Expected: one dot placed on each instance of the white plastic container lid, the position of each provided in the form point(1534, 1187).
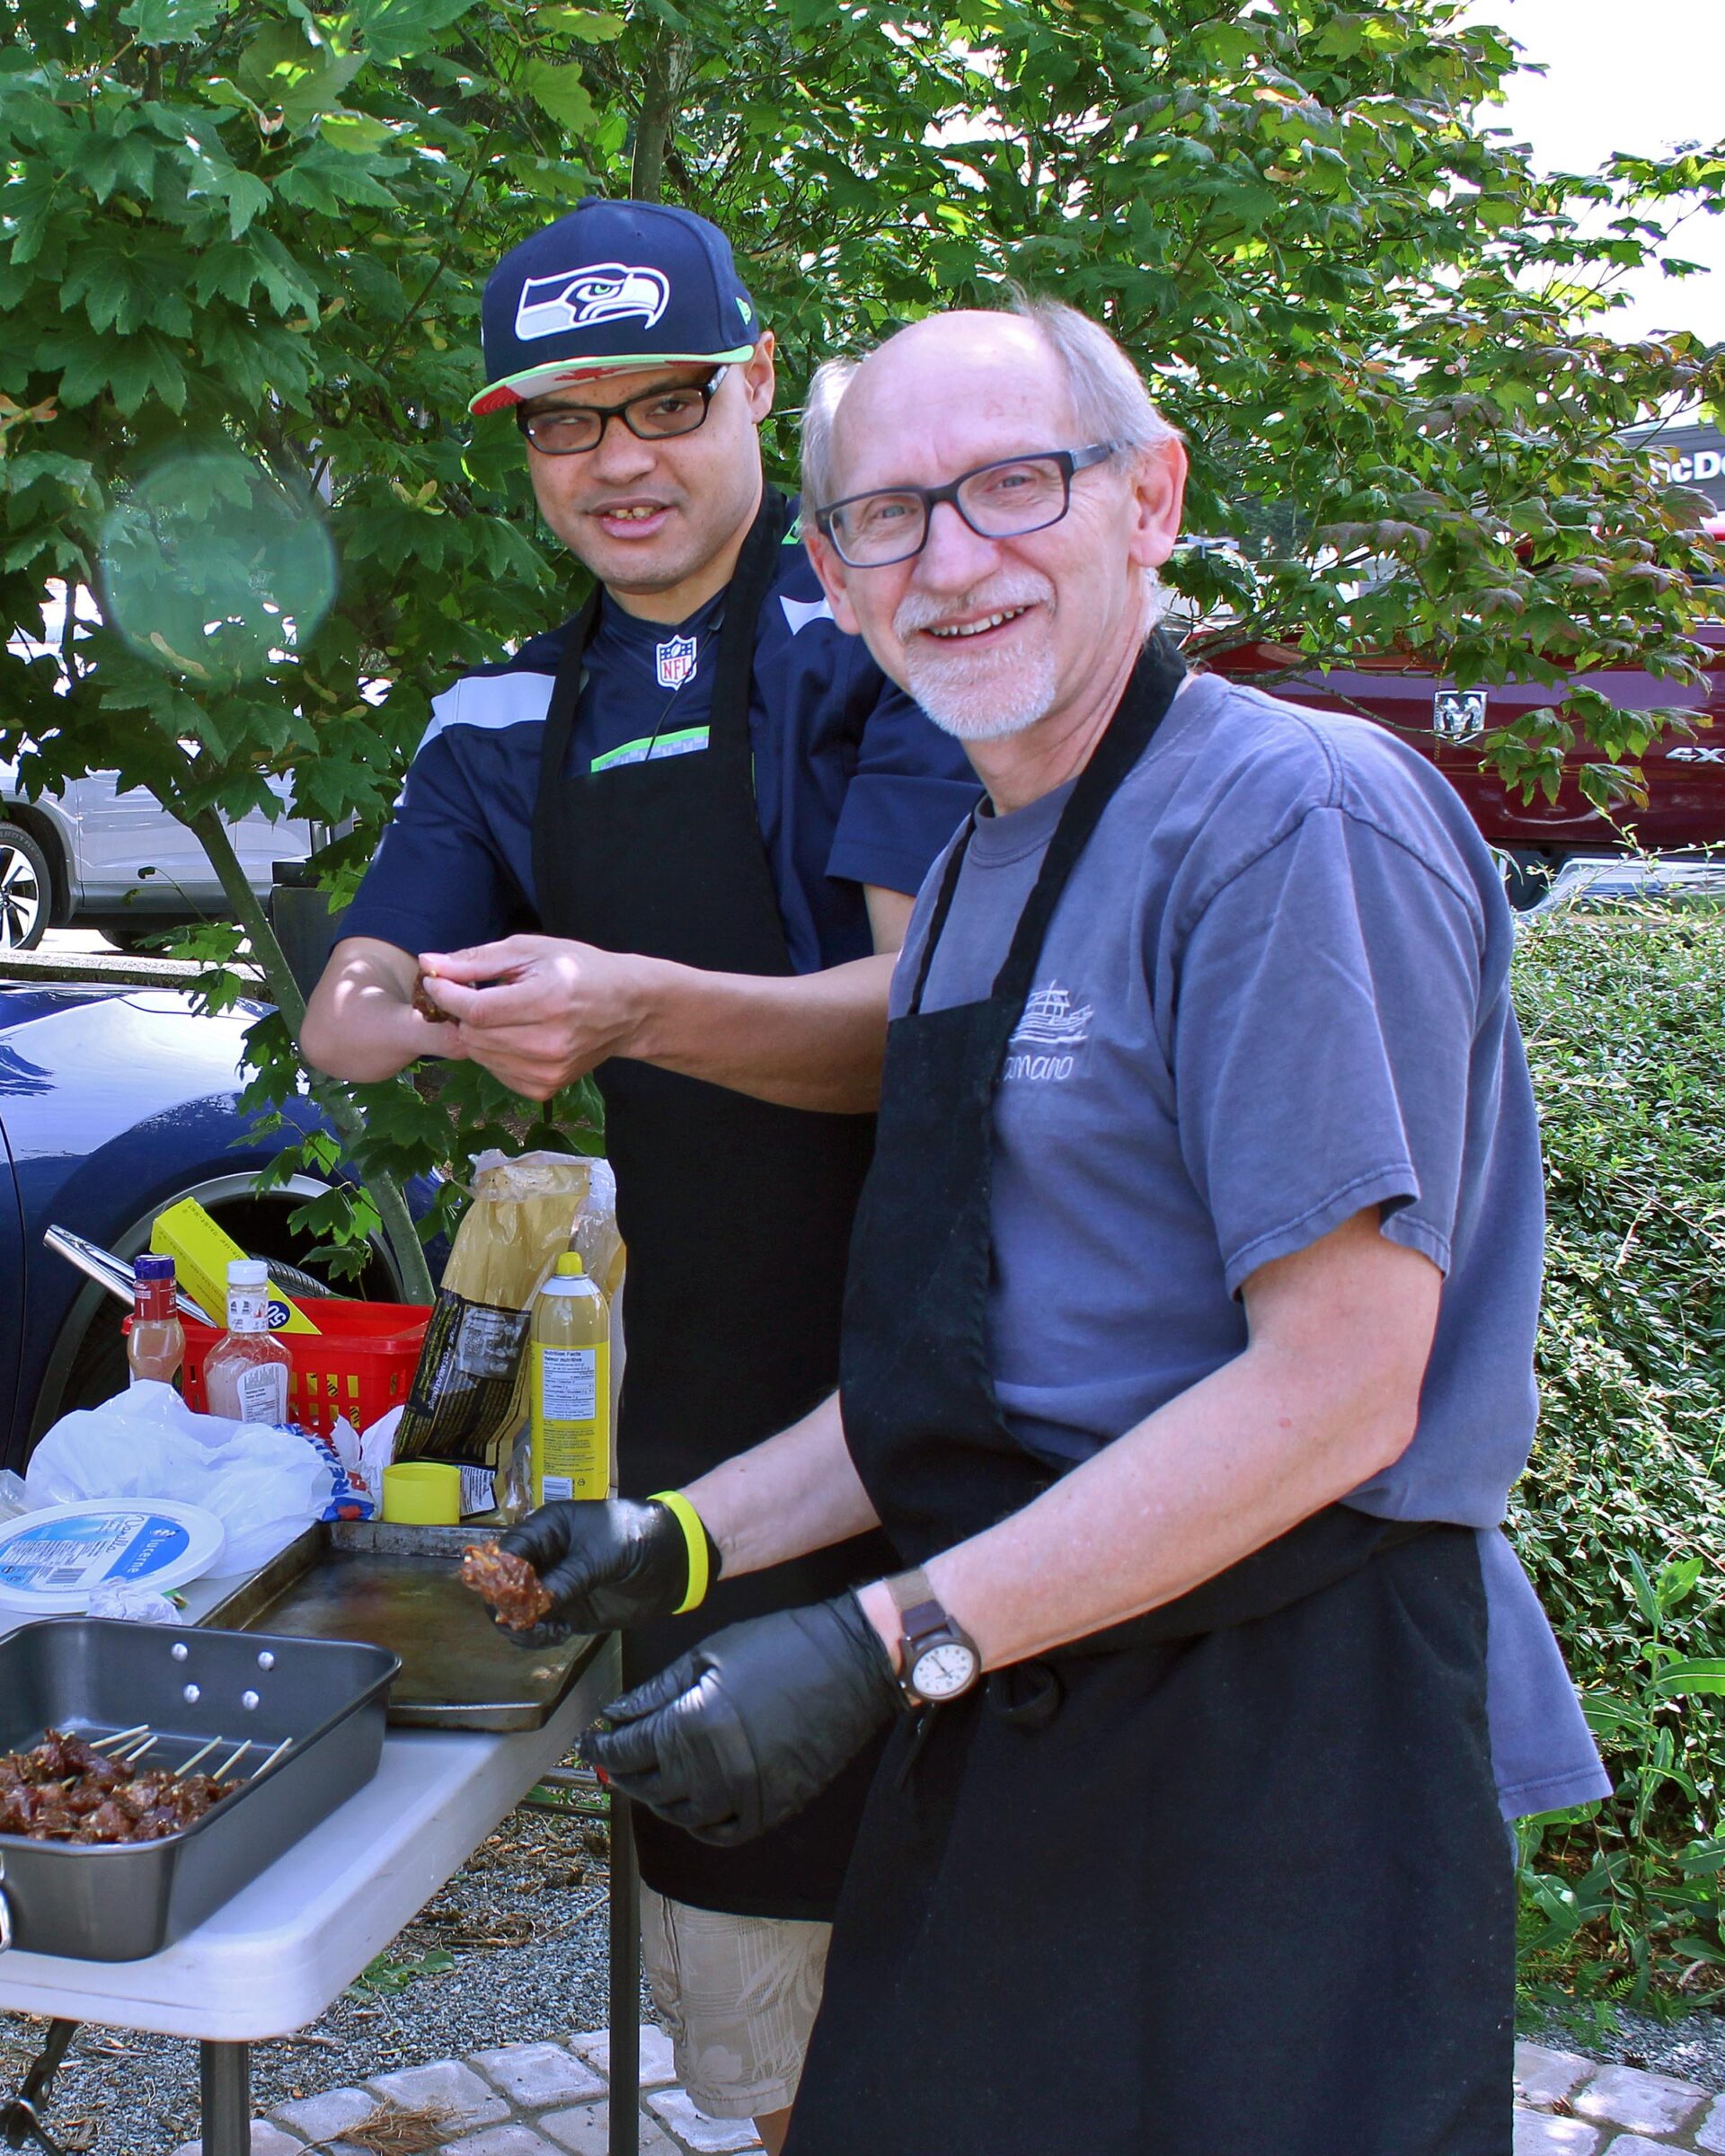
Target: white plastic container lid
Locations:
point(52, 1561)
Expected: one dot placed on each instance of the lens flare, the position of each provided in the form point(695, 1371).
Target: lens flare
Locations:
point(214, 568)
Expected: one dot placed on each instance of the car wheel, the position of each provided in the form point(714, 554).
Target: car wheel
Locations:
point(128, 935)
point(26, 891)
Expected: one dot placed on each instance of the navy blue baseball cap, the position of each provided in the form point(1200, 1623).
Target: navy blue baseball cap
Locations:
point(611, 286)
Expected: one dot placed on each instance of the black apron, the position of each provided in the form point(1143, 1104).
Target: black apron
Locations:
point(736, 1213)
point(1227, 1880)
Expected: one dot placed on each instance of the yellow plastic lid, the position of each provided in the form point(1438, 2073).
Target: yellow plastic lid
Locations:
point(422, 1493)
point(570, 1261)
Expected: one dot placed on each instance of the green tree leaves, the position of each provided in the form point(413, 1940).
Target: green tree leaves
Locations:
point(262, 227)
point(170, 22)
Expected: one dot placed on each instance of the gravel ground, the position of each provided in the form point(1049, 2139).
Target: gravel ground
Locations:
point(1692, 2049)
point(525, 1921)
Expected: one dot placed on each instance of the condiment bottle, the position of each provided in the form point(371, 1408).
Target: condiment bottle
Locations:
point(156, 1345)
point(569, 1352)
point(245, 1374)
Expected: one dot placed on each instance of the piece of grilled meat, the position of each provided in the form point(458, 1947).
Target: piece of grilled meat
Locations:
point(509, 1583)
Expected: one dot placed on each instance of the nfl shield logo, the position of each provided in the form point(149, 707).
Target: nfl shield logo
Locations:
point(676, 661)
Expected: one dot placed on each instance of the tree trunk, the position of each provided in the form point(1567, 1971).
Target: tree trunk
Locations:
point(666, 78)
point(383, 1191)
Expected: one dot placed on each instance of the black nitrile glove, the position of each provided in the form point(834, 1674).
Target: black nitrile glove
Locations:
point(609, 1562)
point(739, 1735)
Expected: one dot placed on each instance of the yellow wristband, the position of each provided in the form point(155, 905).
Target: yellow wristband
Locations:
point(694, 1534)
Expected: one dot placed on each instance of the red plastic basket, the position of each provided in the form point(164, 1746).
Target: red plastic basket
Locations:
point(360, 1362)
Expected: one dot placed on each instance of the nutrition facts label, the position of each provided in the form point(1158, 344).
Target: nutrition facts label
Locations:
point(570, 1383)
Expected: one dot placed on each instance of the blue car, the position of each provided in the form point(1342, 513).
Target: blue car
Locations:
point(114, 1103)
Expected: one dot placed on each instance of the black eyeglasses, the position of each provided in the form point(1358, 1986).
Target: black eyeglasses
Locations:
point(1001, 500)
point(654, 416)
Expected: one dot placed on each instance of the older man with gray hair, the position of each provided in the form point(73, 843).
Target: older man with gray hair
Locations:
point(1188, 1362)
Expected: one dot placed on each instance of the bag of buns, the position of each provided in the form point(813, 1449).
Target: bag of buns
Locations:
point(469, 1392)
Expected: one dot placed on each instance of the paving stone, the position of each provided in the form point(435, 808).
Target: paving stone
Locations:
point(267, 2140)
point(694, 2128)
point(539, 2073)
point(657, 2065)
point(1538, 2134)
point(317, 2117)
point(1646, 2103)
point(1638, 2144)
point(586, 2131)
point(447, 2082)
point(513, 2139)
point(1709, 2134)
point(1543, 2075)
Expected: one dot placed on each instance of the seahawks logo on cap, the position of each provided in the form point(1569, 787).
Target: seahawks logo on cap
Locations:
point(577, 299)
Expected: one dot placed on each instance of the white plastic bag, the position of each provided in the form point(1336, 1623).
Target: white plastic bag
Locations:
point(264, 1484)
point(132, 1603)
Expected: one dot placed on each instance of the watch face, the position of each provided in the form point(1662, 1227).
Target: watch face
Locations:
point(942, 1672)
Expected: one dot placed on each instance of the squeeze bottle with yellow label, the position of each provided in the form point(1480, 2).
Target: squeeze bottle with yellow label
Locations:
point(569, 1347)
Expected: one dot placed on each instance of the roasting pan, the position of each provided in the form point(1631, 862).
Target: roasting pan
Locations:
point(93, 1676)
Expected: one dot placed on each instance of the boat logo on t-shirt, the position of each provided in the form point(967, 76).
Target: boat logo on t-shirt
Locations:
point(675, 662)
point(1045, 1043)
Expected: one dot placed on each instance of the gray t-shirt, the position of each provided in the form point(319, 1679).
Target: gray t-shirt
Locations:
point(1275, 992)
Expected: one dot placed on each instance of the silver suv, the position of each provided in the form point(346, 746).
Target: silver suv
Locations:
point(118, 862)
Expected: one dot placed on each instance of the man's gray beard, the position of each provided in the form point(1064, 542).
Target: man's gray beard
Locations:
point(976, 698)
point(977, 703)
point(981, 701)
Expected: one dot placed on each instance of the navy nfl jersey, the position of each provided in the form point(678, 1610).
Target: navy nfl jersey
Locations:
point(853, 785)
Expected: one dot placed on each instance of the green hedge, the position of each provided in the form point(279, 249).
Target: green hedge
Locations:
point(1621, 1518)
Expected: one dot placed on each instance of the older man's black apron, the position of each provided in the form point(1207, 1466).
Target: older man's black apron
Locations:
point(1229, 1880)
point(737, 1214)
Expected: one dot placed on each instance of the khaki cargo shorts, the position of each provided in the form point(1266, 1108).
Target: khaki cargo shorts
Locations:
point(737, 1996)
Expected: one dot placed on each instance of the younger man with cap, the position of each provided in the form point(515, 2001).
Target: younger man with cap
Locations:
point(671, 843)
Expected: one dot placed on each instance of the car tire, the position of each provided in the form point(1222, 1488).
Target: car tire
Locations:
point(26, 891)
point(130, 936)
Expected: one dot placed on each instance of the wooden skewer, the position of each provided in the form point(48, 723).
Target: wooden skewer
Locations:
point(231, 1760)
point(186, 1765)
point(120, 1736)
point(286, 1744)
point(130, 1758)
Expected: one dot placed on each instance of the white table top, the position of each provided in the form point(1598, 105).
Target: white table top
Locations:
point(271, 1960)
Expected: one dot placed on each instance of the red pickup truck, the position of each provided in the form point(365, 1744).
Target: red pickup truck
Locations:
point(1684, 774)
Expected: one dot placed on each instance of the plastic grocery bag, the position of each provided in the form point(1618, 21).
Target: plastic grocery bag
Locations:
point(264, 1484)
point(469, 1394)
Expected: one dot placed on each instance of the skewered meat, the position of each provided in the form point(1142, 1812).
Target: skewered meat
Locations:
point(64, 1790)
point(509, 1583)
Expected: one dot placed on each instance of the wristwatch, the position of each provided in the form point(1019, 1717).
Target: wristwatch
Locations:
point(938, 1660)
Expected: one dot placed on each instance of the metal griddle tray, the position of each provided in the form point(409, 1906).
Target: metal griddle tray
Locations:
point(94, 1676)
point(400, 1587)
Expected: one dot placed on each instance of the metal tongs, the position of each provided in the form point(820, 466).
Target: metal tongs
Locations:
point(111, 1272)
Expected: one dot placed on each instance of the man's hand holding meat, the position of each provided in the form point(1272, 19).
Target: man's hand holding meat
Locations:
point(610, 1563)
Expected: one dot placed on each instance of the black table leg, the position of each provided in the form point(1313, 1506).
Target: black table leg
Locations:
point(625, 1984)
point(225, 2084)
